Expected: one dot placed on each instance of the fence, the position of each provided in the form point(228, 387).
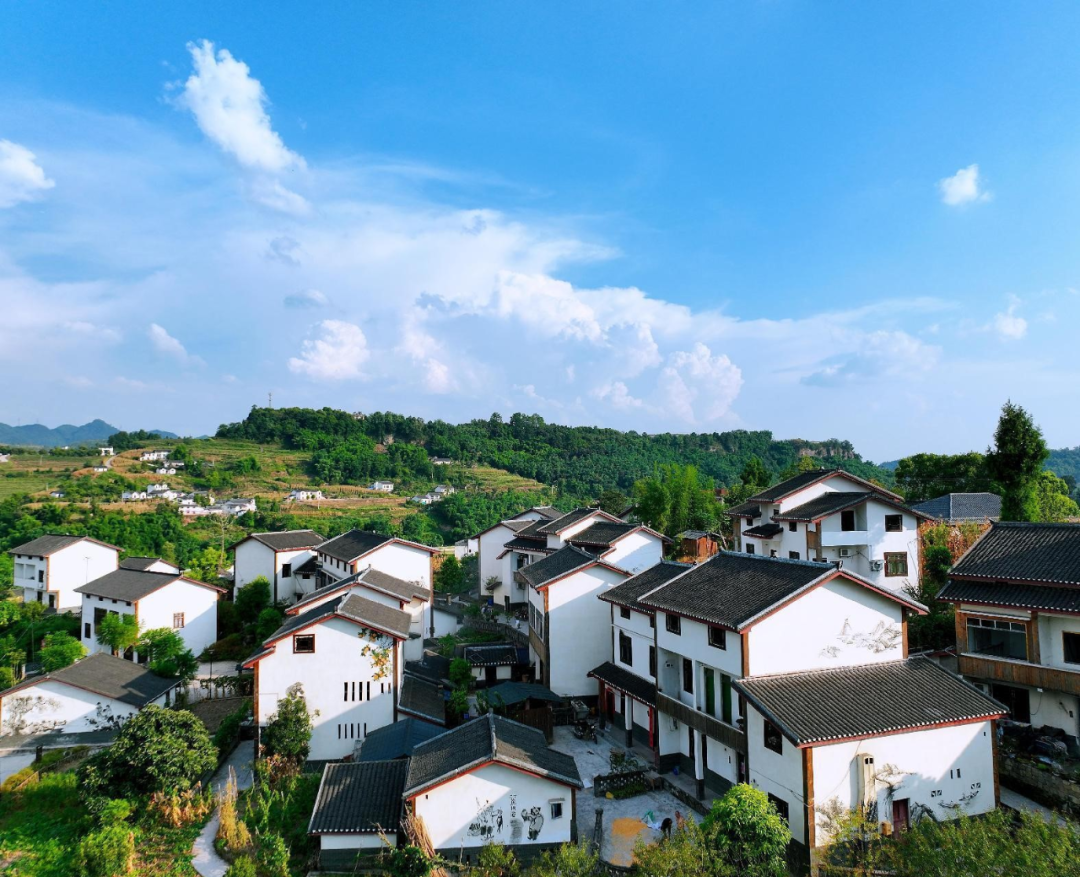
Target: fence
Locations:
point(617, 782)
point(517, 637)
point(74, 755)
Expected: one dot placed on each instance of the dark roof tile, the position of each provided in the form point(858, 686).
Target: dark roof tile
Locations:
point(351, 545)
point(962, 507)
point(108, 676)
point(289, 540)
point(602, 533)
point(565, 560)
point(1038, 597)
point(623, 680)
point(627, 593)
point(422, 698)
point(397, 740)
point(43, 546)
point(805, 479)
point(763, 531)
point(363, 797)
point(1025, 552)
point(128, 584)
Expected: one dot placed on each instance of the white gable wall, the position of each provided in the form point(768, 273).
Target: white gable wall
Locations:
point(639, 630)
point(253, 559)
point(636, 552)
point(89, 632)
point(72, 567)
point(198, 605)
point(405, 562)
point(491, 546)
point(53, 704)
point(577, 621)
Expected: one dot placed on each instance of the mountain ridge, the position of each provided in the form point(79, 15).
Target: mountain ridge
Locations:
point(66, 434)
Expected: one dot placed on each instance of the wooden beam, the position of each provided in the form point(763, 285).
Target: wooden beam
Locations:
point(997, 780)
point(1032, 629)
point(808, 797)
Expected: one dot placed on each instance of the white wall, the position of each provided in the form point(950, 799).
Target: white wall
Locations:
point(254, 559)
point(639, 630)
point(52, 704)
point(491, 546)
point(65, 570)
point(870, 520)
point(693, 643)
point(355, 841)
point(198, 604)
point(337, 659)
point(90, 602)
point(779, 774)
point(455, 812)
point(405, 562)
point(578, 622)
point(836, 624)
point(636, 552)
point(1051, 645)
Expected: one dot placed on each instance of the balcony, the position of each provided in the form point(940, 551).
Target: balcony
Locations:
point(730, 736)
point(833, 538)
point(1010, 671)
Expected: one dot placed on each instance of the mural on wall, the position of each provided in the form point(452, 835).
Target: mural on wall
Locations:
point(525, 824)
point(487, 823)
point(883, 638)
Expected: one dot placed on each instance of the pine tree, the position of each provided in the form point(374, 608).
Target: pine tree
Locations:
point(1015, 462)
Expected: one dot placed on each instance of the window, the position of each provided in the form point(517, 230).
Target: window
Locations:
point(652, 661)
point(793, 527)
point(773, 740)
point(286, 570)
point(303, 643)
point(41, 575)
point(86, 630)
point(1002, 639)
point(718, 637)
point(710, 692)
point(793, 555)
point(556, 809)
point(687, 675)
point(673, 624)
point(626, 650)
point(749, 547)
point(624, 612)
point(894, 523)
point(1018, 700)
point(896, 563)
point(780, 805)
point(178, 620)
point(1071, 647)
point(847, 520)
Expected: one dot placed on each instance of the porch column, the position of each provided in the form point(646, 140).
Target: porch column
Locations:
point(699, 763)
point(602, 705)
point(628, 720)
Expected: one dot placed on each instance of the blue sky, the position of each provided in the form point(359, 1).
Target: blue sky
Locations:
point(827, 220)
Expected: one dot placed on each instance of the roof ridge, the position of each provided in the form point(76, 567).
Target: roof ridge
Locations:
point(825, 671)
point(788, 560)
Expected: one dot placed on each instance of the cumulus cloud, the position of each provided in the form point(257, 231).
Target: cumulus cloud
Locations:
point(880, 354)
point(698, 385)
point(618, 396)
point(270, 193)
point(21, 177)
point(337, 353)
point(306, 298)
point(963, 187)
point(229, 106)
point(1008, 325)
point(167, 345)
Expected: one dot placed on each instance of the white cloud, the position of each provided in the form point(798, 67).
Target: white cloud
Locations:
point(270, 193)
point(21, 177)
point(618, 396)
point(167, 345)
point(1008, 325)
point(963, 187)
point(306, 298)
point(696, 385)
point(92, 331)
point(229, 106)
point(875, 355)
point(335, 356)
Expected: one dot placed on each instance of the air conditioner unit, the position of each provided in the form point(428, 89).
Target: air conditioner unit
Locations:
point(876, 565)
point(846, 552)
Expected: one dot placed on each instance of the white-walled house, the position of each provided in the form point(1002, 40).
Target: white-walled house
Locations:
point(345, 653)
point(49, 569)
point(352, 551)
point(568, 626)
point(279, 557)
point(154, 456)
point(382, 486)
point(489, 780)
point(95, 693)
point(498, 563)
point(156, 599)
point(832, 515)
point(302, 495)
point(633, 547)
point(149, 564)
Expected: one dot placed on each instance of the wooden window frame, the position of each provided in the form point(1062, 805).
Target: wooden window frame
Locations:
point(890, 554)
point(768, 726)
point(718, 631)
point(898, 520)
point(181, 616)
point(624, 612)
point(626, 650)
point(303, 636)
point(673, 624)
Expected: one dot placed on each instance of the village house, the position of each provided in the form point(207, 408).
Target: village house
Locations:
point(167, 469)
point(106, 452)
point(1017, 598)
point(134, 496)
point(497, 564)
point(49, 569)
point(345, 654)
point(96, 693)
point(568, 626)
point(491, 780)
point(382, 486)
point(286, 559)
point(832, 515)
point(149, 564)
point(350, 552)
point(156, 599)
point(770, 630)
point(57, 494)
point(101, 468)
point(154, 456)
point(300, 495)
point(962, 508)
point(5, 458)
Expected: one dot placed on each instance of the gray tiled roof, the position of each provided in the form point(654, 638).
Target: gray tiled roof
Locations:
point(372, 614)
point(835, 501)
point(351, 545)
point(817, 706)
point(563, 561)
point(289, 540)
point(422, 698)
point(1044, 597)
point(745, 510)
point(623, 680)
point(602, 533)
point(397, 740)
point(519, 543)
point(572, 517)
point(961, 507)
point(1025, 552)
point(731, 589)
point(141, 563)
point(548, 511)
point(381, 581)
point(363, 797)
point(111, 677)
point(43, 546)
point(336, 587)
point(303, 619)
point(627, 593)
point(805, 479)
point(491, 655)
point(764, 531)
point(489, 738)
point(128, 584)
point(532, 529)
point(510, 693)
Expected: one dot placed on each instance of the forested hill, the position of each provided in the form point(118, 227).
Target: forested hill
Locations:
point(38, 435)
point(581, 460)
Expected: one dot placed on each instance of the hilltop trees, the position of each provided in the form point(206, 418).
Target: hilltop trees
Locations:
point(1015, 461)
point(676, 498)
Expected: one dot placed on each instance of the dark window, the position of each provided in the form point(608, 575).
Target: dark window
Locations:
point(793, 526)
point(710, 692)
point(41, 575)
point(286, 570)
point(303, 643)
point(1018, 700)
point(626, 649)
point(652, 661)
point(1071, 646)
point(86, 630)
point(556, 809)
point(894, 523)
point(847, 520)
point(793, 555)
point(624, 612)
point(773, 740)
point(780, 805)
point(749, 547)
point(688, 675)
point(749, 522)
point(673, 624)
point(725, 697)
point(652, 622)
point(896, 563)
point(718, 637)
point(1002, 639)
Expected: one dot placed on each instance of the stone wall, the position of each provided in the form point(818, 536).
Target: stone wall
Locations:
point(1044, 786)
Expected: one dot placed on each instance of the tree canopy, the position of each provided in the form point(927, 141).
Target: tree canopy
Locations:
point(1015, 461)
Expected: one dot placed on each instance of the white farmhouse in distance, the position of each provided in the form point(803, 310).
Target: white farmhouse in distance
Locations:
point(382, 486)
point(304, 495)
point(154, 456)
point(49, 569)
point(287, 560)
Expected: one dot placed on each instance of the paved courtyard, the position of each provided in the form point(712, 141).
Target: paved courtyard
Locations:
point(624, 821)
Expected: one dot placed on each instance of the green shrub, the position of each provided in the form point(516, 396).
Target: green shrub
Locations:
point(273, 856)
point(107, 853)
point(242, 867)
point(228, 731)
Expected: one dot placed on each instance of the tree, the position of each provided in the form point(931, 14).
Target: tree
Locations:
point(1015, 461)
point(686, 853)
point(1052, 499)
point(206, 565)
point(156, 750)
point(755, 474)
point(460, 673)
point(118, 632)
point(268, 621)
point(251, 599)
point(288, 733)
point(676, 498)
point(613, 501)
point(936, 629)
point(924, 476)
point(569, 860)
point(60, 650)
point(805, 463)
point(496, 860)
point(167, 654)
point(449, 577)
point(747, 833)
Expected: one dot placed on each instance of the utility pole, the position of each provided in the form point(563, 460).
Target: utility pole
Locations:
point(269, 400)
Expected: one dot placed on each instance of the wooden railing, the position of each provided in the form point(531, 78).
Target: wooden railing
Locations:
point(730, 736)
point(1020, 673)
